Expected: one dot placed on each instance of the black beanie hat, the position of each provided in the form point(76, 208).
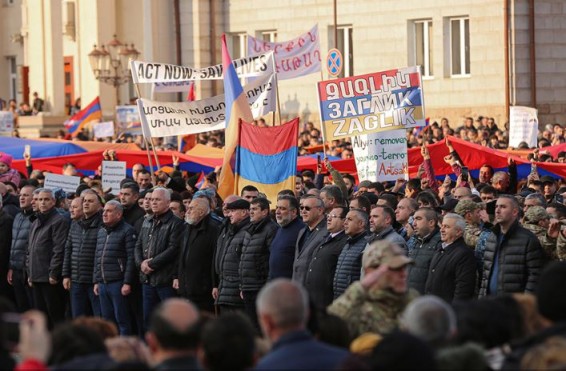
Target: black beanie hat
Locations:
point(550, 292)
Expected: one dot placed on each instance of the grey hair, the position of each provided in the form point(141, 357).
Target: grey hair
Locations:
point(335, 192)
point(45, 190)
point(116, 204)
point(537, 196)
point(203, 202)
point(364, 217)
point(429, 318)
point(285, 301)
point(498, 176)
point(460, 221)
point(166, 192)
point(313, 197)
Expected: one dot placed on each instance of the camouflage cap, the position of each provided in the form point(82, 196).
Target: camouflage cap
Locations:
point(385, 252)
point(535, 214)
point(465, 206)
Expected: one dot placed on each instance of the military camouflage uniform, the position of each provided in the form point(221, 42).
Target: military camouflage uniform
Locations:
point(375, 311)
point(561, 247)
point(532, 217)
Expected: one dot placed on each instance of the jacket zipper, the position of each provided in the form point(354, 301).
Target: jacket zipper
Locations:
point(102, 260)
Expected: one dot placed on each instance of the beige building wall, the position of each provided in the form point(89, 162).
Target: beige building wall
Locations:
point(10, 46)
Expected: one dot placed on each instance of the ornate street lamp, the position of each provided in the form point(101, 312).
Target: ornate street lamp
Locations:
point(110, 65)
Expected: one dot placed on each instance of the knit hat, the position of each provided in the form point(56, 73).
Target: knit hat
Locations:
point(6, 158)
point(385, 252)
point(466, 206)
point(550, 292)
point(535, 214)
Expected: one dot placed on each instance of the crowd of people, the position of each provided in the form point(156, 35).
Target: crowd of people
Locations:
point(335, 273)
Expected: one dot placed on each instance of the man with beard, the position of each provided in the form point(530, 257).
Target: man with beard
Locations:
point(194, 278)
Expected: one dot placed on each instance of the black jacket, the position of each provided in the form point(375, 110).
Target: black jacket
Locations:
point(114, 256)
point(421, 250)
point(6, 222)
point(452, 272)
point(349, 266)
point(321, 269)
point(47, 239)
point(20, 238)
point(11, 204)
point(254, 262)
point(80, 248)
point(133, 215)
point(195, 259)
point(159, 241)
point(229, 288)
point(303, 256)
point(520, 258)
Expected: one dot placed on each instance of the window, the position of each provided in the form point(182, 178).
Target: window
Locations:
point(460, 46)
point(13, 77)
point(346, 46)
point(269, 36)
point(423, 47)
point(238, 45)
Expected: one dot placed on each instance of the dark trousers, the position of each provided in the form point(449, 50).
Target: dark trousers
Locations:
point(153, 295)
point(51, 300)
point(205, 304)
point(249, 305)
point(114, 306)
point(135, 309)
point(22, 291)
point(83, 300)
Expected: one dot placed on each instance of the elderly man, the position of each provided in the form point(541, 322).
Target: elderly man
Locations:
point(196, 252)
point(314, 233)
point(284, 243)
point(114, 266)
point(20, 236)
point(78, 264)
point(381, 219)
point(283, 311)
point(46, 249)
point(348, 268)
point(254, 261)
point(375, 303)
point(452, 271)
point(157, 252)
point(513, 256)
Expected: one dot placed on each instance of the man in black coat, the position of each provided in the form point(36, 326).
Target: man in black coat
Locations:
point(6, 223)
point(133, 213)
point(254, 261)
point(194, 277)
point(322, 266)
point(452, 270)
point(47, 239)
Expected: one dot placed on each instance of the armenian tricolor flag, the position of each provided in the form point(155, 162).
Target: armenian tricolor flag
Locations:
point(78, 120)
point(267, 158)
point(237, 110)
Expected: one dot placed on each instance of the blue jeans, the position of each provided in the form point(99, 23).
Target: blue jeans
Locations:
point(153, 295)
point(114, 305)
point(83, 300)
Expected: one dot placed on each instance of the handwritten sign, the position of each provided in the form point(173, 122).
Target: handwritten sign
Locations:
point(113, 172)
point(523, 126)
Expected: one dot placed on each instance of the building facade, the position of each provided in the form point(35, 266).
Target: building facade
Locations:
point(477, 56)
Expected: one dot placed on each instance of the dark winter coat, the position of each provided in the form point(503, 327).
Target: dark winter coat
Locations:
point(520, 257)
point(421, 250)
point(195, 259)
point(133, 215)
point(303, 255)
point(349, 266)
point(283, 250)
point(229, 275)
point(452, 272)
point(80, 248)
point(47, 238)
point(254, 262)
point(159, 241)
point(20, 238)
point(114, 256)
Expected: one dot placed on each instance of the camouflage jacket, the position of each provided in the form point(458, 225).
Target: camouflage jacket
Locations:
point(548, 243)
point(374, 311)
point(561, 247)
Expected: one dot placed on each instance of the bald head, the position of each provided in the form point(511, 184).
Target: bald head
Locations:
point(285, 302)
point(174, 325)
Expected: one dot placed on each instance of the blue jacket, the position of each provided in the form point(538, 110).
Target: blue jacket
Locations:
point(300, 351)
point(282, 253)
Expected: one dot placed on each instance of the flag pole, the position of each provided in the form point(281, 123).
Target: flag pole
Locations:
point(322, 127)
point(276, 87)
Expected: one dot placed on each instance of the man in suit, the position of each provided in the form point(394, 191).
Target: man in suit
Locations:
point(311, 236)
point(283, 311)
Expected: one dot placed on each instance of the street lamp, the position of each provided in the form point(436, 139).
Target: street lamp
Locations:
point(110, 65)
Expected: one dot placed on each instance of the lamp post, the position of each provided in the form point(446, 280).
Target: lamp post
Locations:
point(110, 65)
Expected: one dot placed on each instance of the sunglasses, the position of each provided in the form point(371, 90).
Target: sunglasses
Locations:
point(307, 208)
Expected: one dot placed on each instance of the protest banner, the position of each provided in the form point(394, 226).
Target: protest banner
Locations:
point(381, 156)
point(66, 182)
point(147, 72)
point(293, 58)
point(523, 126)
point(371, 103)
point(184, 118)
point(104, 129)
point(127, 117)
point(6, 121)
point(172, 87)
point(113, 172)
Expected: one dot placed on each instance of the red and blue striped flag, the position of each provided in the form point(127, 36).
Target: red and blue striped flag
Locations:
point(80, 119)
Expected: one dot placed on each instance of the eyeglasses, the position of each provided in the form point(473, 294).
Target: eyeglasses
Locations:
point(307, 208)
point(330, 216)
